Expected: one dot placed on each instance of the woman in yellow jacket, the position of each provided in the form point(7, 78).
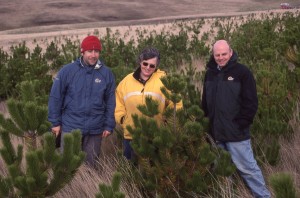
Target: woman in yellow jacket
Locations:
point(133, 90)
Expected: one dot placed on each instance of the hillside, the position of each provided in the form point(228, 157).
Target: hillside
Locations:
point(22, 20)
point(43, 34)
point(31, 13)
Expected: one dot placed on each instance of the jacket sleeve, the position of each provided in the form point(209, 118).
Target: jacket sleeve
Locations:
point(179, 105)
point(56, 98)
point(120, 111)
point(249, 101)
point(170, 104)
point(110, 100)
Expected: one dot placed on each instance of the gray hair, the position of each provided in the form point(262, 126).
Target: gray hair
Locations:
point(147, 54)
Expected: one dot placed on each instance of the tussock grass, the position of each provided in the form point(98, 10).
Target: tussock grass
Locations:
point(86, 181)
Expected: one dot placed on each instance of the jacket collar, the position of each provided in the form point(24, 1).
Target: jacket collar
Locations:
point(98, 65)
point(136, 75)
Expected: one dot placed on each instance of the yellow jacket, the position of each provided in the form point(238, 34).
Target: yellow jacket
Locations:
point(131, 92)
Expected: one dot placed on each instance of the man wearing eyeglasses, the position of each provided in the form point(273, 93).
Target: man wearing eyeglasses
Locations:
point(133, 90)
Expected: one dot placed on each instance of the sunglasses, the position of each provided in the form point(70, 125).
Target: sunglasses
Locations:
point(145, 64)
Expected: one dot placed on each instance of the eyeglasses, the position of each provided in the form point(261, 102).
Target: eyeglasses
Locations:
point(145, 64)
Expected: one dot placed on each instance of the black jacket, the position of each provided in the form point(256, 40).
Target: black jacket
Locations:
point(229, 100)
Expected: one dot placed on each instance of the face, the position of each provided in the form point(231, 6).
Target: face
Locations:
point(222, 53)
point(148, 67)
point(90, 57)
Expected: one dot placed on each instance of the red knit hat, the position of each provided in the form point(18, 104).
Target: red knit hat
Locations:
point(90, 43)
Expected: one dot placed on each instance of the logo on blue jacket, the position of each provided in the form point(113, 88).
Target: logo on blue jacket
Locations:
point(97, 80)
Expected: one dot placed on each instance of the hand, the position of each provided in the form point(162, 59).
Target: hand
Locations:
point(56, 130)
point(106, 133)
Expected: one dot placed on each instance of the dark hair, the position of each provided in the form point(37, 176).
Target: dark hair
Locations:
point(147, 54)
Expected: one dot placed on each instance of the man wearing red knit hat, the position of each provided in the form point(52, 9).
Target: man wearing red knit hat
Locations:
point(83, 97)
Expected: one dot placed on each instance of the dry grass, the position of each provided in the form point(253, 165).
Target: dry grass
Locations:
point(290, 152)
point(87, 180)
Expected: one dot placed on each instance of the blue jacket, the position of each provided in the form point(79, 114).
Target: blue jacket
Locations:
point(83, 97)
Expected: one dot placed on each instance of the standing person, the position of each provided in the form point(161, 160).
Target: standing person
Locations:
point(230, 101)
point(83, 97)
point(134, 88)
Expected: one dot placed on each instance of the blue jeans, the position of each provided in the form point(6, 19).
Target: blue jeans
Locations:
point(128, 151)
point(242, 157)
